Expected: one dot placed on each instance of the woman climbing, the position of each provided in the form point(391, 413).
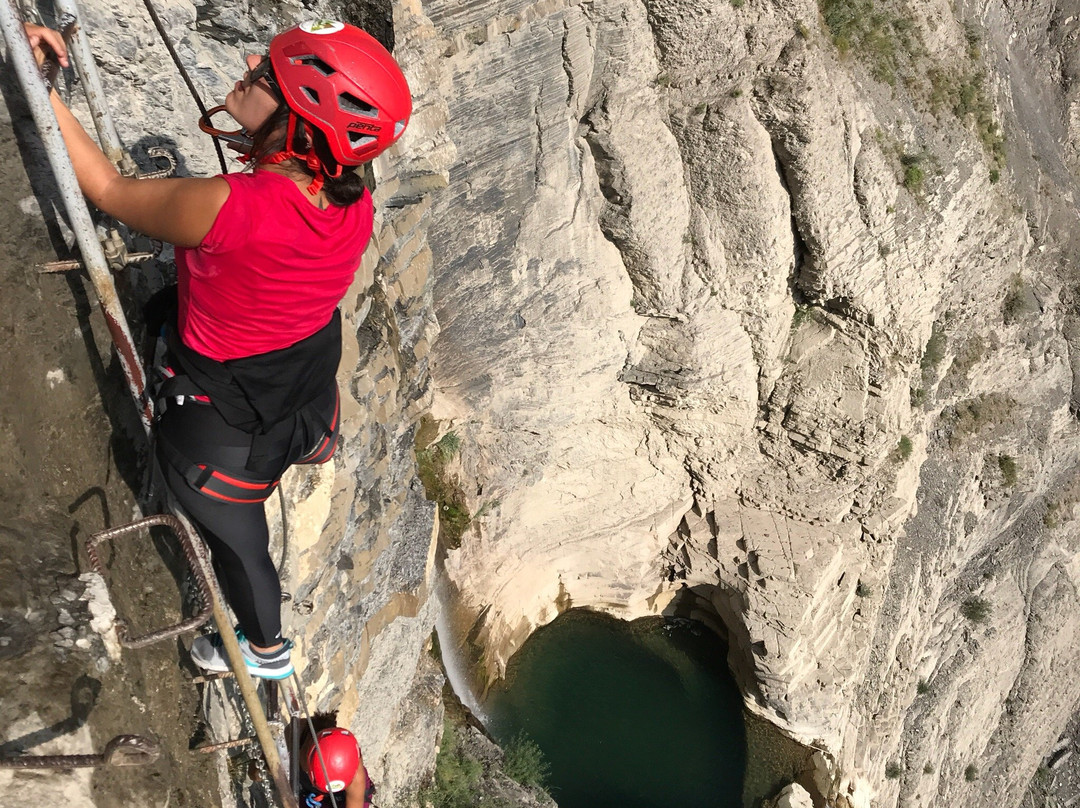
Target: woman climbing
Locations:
point(263, 259)
point(339, 771)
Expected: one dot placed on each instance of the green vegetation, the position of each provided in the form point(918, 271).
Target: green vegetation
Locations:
point(893, 770)
point(439, 485)
point(973, 107)
point(975, 415)
point(1061, 508)
point(862, 590)
point(976, 609)
point(889, 41)
point(923, 687)
point(801, 30)
point(971, 773)
point(971, 352)
point(1040, 791)
point(449, 445)
point(918, 397)
point(738, 3)
point(1018, 300)
point(935, 349)
point(736, 93)
point(914, 174)
point(904, 448)
point(525, 762)
point(928, 768)
point(802, 314)
point(456, 783)
point(1008, 469)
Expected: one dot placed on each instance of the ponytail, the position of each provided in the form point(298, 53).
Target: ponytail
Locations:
point(269, 139)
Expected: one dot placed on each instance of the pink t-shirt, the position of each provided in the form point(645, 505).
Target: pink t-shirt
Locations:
point(270, 271)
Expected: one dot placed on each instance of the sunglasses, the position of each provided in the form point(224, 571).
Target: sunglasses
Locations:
point(263, 70)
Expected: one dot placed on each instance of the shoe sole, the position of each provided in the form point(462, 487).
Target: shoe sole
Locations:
point(263, 673)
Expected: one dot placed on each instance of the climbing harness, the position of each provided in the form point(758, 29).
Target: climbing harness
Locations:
point(124, 750)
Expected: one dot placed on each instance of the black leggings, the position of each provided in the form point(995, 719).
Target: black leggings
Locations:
point(236, 531)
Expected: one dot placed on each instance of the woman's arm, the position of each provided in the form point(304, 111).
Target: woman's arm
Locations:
point(356, 790)
point(180, 211)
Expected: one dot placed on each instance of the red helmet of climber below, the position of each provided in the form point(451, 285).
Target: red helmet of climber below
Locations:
point(340, 753)
point(340, 80)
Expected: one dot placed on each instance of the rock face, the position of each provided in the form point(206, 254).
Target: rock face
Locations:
point(708, 338)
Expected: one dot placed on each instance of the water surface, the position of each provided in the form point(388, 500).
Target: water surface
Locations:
point(628, 715)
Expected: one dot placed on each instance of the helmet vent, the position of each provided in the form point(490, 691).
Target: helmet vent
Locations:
point(352, 104)
point(315, 62)
point(356, 140)
point(312, 96)
point(399, 127)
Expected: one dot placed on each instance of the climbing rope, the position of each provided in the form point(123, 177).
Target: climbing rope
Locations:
point(184, 74)
point(298, 698)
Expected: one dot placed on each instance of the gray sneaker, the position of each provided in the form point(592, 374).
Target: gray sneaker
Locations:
point(208, 652)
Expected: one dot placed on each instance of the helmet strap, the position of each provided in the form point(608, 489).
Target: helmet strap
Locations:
point(311, 160)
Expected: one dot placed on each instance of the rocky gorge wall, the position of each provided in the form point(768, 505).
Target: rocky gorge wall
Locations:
point(744, 323)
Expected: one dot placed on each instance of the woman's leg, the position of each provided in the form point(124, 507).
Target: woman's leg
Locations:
point(236, 531)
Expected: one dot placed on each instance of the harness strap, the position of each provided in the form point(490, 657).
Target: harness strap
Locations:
point(324, 449)
point(212, 482)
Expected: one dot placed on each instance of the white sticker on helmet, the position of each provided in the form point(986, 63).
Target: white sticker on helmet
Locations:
point(321, 26)
point(337, 785)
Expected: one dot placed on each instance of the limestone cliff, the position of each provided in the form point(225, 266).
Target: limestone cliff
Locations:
point(725, 313)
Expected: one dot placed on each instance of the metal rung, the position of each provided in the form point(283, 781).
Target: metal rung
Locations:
point(219, 747)
point(123, 750)
point(182, 535)
point(211, 677)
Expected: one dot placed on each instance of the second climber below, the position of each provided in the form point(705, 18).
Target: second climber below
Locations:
point(335, 768)
point(263, 260)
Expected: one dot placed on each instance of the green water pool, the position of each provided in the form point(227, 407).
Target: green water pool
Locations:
point(641, 714)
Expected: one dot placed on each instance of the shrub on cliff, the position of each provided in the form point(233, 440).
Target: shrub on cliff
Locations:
point(976, 609)
point(440, 485)
point(974, 415)
point(456, 783)
point(524, 762)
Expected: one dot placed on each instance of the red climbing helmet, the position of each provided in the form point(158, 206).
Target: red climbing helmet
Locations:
point(341, 80)
point(340, 752)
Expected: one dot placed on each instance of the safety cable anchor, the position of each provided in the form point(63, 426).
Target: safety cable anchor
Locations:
point(116, 255)
point(202, 584)
point(159, 153)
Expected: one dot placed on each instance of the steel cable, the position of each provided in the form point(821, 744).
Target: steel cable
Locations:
point(184, 74)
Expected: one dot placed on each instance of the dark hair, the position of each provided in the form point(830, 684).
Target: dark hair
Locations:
point(269, 139)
